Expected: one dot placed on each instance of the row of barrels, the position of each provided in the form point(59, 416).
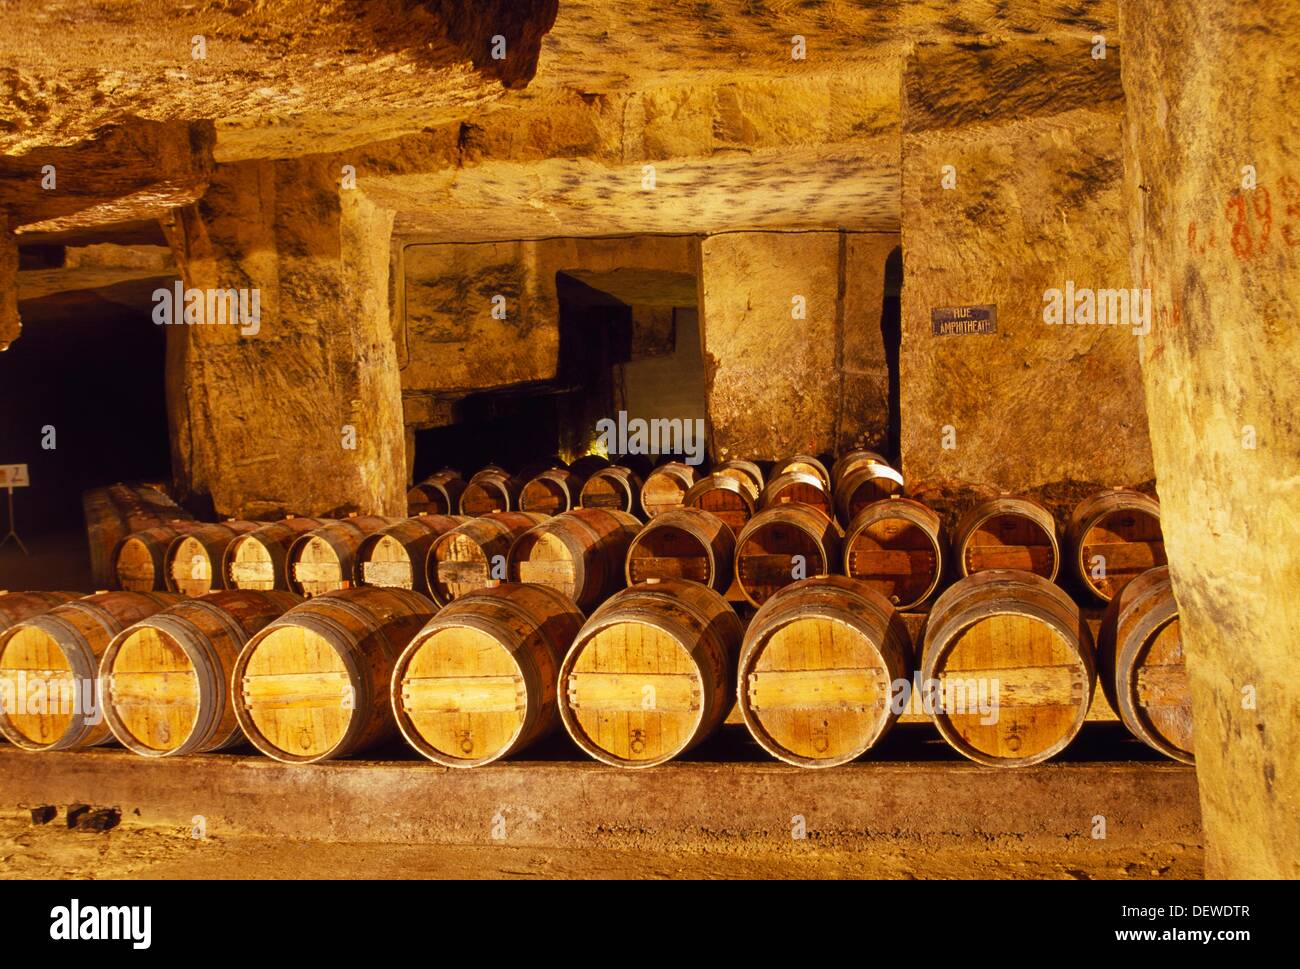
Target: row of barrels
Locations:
point(1006, 666)
point(733, 490)
point(897, 545)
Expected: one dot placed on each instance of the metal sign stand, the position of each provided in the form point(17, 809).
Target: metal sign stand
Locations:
point(12, 533)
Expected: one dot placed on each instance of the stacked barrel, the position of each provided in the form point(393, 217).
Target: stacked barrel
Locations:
point(630, 606)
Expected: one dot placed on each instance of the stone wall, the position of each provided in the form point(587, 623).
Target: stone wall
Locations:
point(1032, 135)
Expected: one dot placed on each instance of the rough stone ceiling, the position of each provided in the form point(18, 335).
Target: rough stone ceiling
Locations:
point(552, 140)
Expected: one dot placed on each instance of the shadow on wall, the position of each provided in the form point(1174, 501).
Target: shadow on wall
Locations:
point(891, 332)
point(86, 375)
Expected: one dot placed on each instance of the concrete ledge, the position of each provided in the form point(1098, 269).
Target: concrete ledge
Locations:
point(574, 803)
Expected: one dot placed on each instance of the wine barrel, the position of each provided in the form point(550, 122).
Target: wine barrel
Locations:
point(730, 498)
point(818, 668)
point(260, 559)
point(588, 464)
point(851, 460)
point(863, 482)
point(802, 486)
point(395, 556)
point(139, 560)
point(166, 680)
point(746, 471)
point(552, 492)
point(473, 555)
point(767, 547)
point(314, 684)
point(580, 553)
point(684, 543)
point(438, 494)
point(1008, 665)
point(192, 563)
point(325, 560)
point(49, 668)
point(478, 682)
point(651, 673)
point(666, 487)
point(1007, 533)
point(1115, 536)
point(490, 490)
point(806, 464)
point(1140, 664)
point(17, 606)
point(897, 547)
point(616, 488)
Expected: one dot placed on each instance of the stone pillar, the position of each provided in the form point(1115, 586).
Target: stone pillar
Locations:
point(1212, 180)
point(10, 325)
point(303, 412)
point(793, 353)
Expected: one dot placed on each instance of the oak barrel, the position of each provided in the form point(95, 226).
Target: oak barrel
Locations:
point(781, 545)
point(683, 543)
point(588, 464)
point(139, 560)
point(260, 559)
point(651, 673)
point(192, 563)
point(818, 669)
point(862, 482)
point(744, 470)
point(580, 553)
point(491, 489)
point(17, 606)
point(805, 464)
point(851, 460)
point(732, 498)
point(314, 684)
point(1140, 663)
point(552, 492)
point(1008, 667)
point(896, 546)
point(1115, 536)
point(1007, 533)
point(478, 682)
point(802, 486)
point(616, 487)
point(166, 680)
point(473, 555)
point(438, 494)
point(665, 487)
point(325, 560)
point(394, 556)
point(49, 668)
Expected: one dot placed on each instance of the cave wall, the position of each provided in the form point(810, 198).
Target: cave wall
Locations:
point(1032, 135)
point(10, 325)
point(260, 420)
point(1211, 89)
point(790, 324)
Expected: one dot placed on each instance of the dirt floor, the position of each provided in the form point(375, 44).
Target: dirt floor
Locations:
point(54, 851)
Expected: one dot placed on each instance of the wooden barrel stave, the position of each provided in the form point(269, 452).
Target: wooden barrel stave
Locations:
point(314, 685)
point(1142, 668)
point(650, 674)
point(478, 682)
point(56, 655)
point(898, 548)
point(17, 606)
point(818, 668)
point(684, 543)
point(766, 549)
point(166, 679)
point(1014, 633)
